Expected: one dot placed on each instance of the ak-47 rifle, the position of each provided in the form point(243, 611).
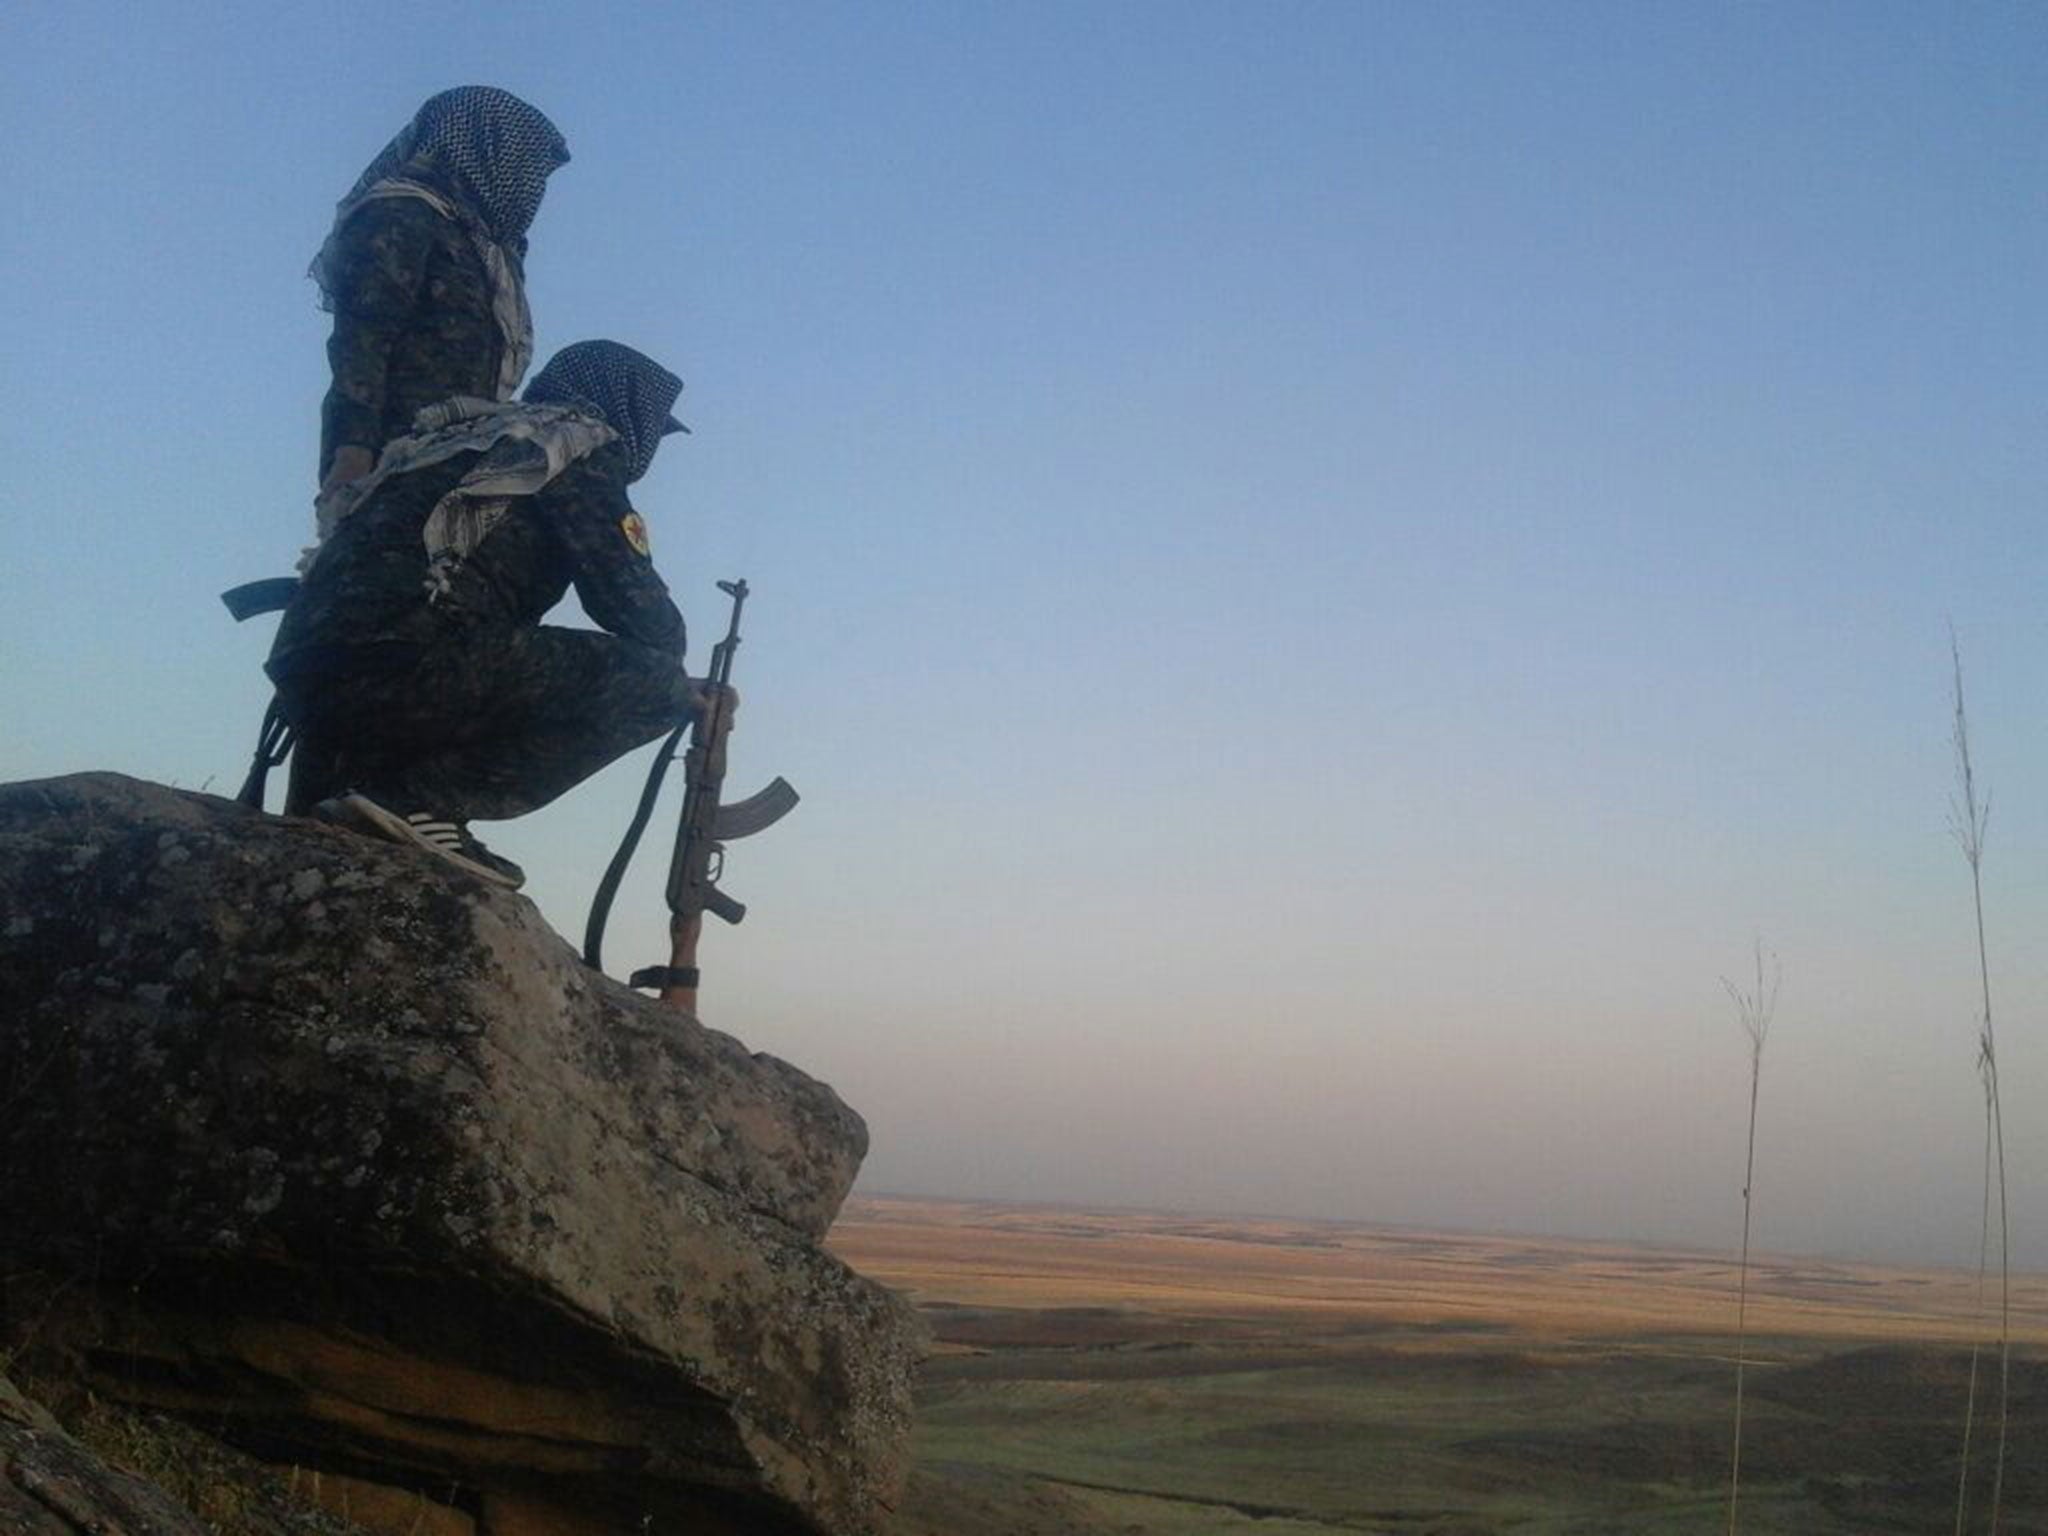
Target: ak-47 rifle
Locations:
point(705, 829)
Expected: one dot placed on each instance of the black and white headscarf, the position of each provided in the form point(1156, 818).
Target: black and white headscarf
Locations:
point(496, 150)
point(481, 157)
point(633, 393)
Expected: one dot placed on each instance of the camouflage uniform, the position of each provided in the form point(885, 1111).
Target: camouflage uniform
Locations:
point(412, 323)
point(418, 317)
point(467, 705)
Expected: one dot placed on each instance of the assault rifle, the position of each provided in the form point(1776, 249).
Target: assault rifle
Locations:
point(706, 827)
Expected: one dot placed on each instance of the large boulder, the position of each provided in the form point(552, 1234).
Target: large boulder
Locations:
point(347, 1154)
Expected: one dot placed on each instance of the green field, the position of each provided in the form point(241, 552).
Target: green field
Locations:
point(1446, 1433)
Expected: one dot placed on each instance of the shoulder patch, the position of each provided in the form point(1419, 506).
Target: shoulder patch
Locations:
point(635, 532)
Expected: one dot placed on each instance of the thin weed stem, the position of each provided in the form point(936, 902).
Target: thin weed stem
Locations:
point(1969, 815)
point(1976, 1321)
point(1755, 1008)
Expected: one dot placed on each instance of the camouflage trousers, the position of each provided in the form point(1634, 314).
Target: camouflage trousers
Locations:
point(484, 729)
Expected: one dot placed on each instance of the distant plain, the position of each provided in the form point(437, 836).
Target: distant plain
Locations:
point(1141, 1372)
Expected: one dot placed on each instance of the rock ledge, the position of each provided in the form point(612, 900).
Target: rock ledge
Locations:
point(347, 1154)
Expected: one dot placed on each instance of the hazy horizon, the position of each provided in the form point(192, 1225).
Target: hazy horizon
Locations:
point(1323, 571)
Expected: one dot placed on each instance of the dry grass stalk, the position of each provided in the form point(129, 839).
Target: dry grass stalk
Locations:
point(1754, 1006)
point(1976, 1318)
point(1969, 815)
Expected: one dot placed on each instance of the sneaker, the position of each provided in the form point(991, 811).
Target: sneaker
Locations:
point(450, 840)
point(474, 850)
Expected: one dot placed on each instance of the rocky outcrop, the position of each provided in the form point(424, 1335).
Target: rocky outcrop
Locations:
point(139, 1473)
point(50, 1485)
point(346, 1155)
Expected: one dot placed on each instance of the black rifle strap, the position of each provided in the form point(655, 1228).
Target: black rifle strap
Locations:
point(608, 887)
point(662, 977)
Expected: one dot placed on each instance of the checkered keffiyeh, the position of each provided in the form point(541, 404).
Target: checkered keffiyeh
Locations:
point(496, 150)
point(485, 157)
point(629, 390)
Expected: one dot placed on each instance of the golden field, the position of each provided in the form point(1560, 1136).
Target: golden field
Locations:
point(1039, 1256)
point(1157, 1374)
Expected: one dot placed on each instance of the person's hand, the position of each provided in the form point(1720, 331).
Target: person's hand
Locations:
point(349, 463)
point(706, 694)
point(703, 696)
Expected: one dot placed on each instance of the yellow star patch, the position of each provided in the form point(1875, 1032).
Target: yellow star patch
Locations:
point(635, 532)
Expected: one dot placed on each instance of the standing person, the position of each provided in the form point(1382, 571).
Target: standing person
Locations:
point(424, 271)
point(414, 652)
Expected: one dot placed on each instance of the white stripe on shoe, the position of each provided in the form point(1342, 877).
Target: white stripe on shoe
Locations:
point(442, 834)
point(420, 829)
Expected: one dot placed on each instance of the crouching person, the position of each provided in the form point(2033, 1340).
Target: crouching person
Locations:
point(413, 659)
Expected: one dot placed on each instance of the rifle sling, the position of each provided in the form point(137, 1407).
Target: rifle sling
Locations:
point(662, 977)
point(608, 887)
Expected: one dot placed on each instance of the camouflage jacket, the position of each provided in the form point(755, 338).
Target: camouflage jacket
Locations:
point(364, 603)
point(412, 323)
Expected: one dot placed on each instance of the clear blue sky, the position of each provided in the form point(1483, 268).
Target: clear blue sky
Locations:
point(1322, 568)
